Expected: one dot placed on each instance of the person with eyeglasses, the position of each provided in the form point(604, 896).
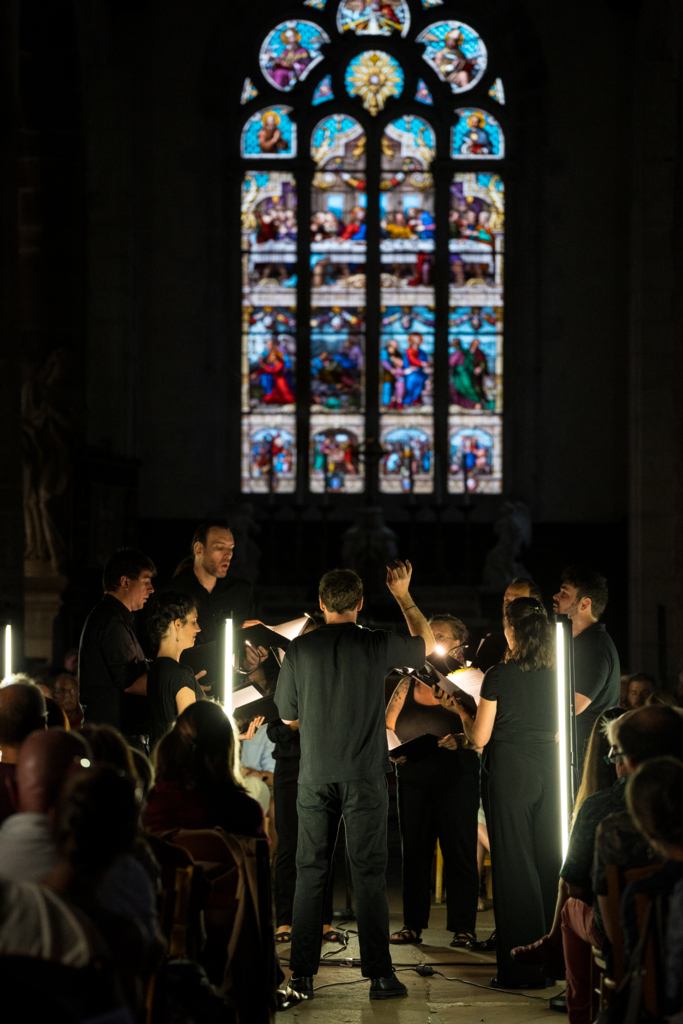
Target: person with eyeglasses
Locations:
point(438, 798)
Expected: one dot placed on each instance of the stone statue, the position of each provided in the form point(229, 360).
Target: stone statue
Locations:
point(368, 547)
point(48, 417)
point(513, 529)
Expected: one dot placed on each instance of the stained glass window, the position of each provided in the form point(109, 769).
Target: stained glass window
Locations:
point(269, 134)
point(323, 91)
point(374, 76)
point(422, 93)
point(269, 254)
point(290, 52)
point(373, 18)
point(476, 134)
point(404, 312)
point(455, 52)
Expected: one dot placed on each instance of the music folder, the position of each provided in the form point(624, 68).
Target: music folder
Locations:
point(204, 657)
point(250, 702)
point(413, 750)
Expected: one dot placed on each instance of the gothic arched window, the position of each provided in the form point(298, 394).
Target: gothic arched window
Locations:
point(372, 253)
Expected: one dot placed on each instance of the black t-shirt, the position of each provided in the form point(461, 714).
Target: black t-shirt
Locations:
point(287, 741)
point(332, 680)
point(526, 712)
point(110, 660)
point(231, 596)
point(166, 678)
point(596, 675)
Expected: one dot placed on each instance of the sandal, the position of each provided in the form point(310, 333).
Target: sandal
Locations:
point(480, 905)
point(462, 939)
point(332, 936)
point(282, 938)
point(405, 937)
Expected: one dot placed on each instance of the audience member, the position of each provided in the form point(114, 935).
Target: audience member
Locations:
point(429, 810)
point(66, 695)
point(197, 777)
point(70, 662)
point(640, 687)
point(27, 846)
point(109, 747)
point(145, 773)
point(655, 801)
point(22, 711)
point(171, 687)
point(583, 597)
point(598, 769)
point(518, 713)
point(661, 698)
point(56, 716)
point(112, 665)
point(96, 822)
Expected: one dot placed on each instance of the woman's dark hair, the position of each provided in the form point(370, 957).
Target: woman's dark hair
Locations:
point(200, 751)
point(166, 609)
point(534, 635)
point(654, 796)
point(97, 819)
point(109, 748)
point(597, 775)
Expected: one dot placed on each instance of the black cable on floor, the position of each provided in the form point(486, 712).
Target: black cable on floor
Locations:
point(474, 984)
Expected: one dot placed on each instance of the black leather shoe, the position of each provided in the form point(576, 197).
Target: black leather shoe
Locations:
point(485, 946)
point(387, 988)
point(303, 985)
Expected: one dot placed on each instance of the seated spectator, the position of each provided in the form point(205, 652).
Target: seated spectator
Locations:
point(96, 822)
point(22, 711)
point(109, 747)
point(597, 793)
point(66, 695)
point(661, 698)
point(640, 686)
point(638, 736)
point(145, 773)
point(197, 781)
point(56, 717)
point(27, 846)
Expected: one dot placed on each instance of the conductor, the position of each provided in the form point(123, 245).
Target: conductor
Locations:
point(332, 681)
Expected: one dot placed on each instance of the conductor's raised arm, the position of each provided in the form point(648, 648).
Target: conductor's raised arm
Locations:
point(398, 581)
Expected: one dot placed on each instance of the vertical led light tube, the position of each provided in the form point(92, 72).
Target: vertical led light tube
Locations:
point(227, 686)
point(8, 651)
point(564, 752)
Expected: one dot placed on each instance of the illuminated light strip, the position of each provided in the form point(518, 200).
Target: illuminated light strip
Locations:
point(563, 752)
point(227, 691)
point(8, 651)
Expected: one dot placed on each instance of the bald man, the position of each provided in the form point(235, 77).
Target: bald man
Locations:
point(27, 847)
point(22, 711)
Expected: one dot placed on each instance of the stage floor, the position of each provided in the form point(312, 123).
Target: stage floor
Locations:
point(432, 1000)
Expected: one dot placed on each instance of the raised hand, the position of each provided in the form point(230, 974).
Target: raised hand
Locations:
point(398, 578)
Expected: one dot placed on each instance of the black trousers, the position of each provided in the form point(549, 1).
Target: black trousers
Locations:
point(446, 809)
point(285, 792)
point(364, 803)
point(523, 817)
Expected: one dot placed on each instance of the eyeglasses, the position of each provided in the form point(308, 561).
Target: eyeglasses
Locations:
point(445, 649)
point(614, 756)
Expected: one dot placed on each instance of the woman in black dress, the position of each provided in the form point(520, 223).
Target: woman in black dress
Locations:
point(171, 687)
point(518, 718)
point(438, 798)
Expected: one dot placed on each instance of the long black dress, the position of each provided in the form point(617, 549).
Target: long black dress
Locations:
point(438, 798)
point(522, 810)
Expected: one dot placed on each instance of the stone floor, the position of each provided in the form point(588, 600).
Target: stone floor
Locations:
point(433, 1000)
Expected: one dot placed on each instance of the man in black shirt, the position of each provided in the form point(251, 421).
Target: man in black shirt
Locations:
point(332, 682)
point(204, 577)
point(583, 597)
point(112, 665)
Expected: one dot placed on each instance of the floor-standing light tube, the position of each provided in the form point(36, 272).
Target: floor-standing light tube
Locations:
point(227, 684)
point(563, 735)
point(564, 649)
point(8, 651)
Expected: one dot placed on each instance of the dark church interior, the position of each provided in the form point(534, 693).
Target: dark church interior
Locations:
point(364, 280)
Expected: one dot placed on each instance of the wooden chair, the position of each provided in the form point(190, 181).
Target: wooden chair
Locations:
point(603, 981)
point(239, 954)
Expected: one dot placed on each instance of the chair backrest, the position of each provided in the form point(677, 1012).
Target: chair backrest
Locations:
point(617, 880)
point(184, 894)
